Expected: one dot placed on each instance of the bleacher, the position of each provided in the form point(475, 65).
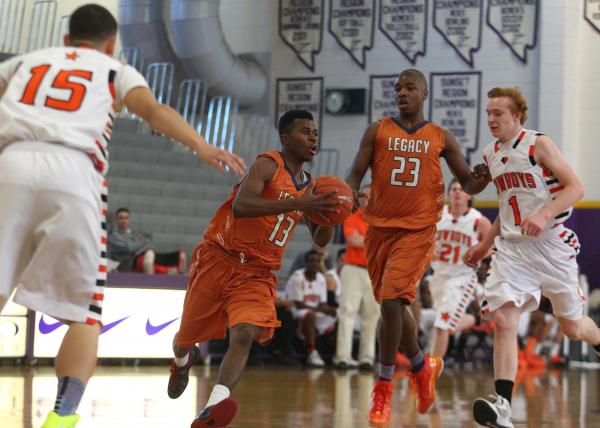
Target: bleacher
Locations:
point(170, 194)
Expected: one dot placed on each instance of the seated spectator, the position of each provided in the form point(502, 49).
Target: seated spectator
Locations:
point(132, 250)
point(307, 288)
point(300, 260)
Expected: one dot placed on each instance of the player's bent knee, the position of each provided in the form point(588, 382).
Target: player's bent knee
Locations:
point(504, 322)
point(243, 335)
point(570, 328)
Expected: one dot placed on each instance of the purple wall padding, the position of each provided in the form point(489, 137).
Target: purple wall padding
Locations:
point(585, 222)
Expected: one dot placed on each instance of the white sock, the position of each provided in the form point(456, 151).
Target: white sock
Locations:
point(219, 393)
point(555, 349)
point(183, 360)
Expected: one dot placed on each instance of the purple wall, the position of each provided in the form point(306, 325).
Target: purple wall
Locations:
point(585, 222)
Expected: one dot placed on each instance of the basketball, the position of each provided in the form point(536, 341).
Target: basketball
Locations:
point(344, 195)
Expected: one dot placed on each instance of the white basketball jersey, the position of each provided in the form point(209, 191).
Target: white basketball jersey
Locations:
point(65, 96)
point(311, 293)
point(455, 235)
point(523, 186)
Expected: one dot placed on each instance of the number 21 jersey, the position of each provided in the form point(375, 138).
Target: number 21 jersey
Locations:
point(407, 189)
point(65, 96)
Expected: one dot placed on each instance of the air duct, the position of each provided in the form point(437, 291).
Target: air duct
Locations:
point(196, 36)
point(189, 34)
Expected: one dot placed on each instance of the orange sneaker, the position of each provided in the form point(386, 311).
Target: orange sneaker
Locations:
point(381, 404)
point(401, 360)
point(425, 382)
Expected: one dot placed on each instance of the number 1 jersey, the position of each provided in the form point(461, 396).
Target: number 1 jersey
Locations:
point(259, 241)
point(407, 189)
point(523, 186)
point(66, 96)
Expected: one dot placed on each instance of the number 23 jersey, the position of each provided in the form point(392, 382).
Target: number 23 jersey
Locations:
point(64, 95)
point(407, 189)
point(259, 241)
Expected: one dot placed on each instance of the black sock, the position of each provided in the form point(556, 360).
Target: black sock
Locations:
point(477, 319)
point(597, 347)
point(70, 391)
point(504, 388)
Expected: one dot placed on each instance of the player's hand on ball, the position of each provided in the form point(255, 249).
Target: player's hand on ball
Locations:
point(474, 255)
point(318, 203)
point(533, 225)
point(220, 159)
point(482, 173)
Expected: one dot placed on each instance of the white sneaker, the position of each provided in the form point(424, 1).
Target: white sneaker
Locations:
point(494, 412)
point(315, 360)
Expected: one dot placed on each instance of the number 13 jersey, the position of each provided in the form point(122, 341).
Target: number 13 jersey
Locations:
point(259, 241)
point(407, 189)
point(523, 186)
point(66, 96)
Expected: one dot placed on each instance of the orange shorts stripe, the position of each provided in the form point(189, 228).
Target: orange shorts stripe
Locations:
point(223, 293)
point(397, 259)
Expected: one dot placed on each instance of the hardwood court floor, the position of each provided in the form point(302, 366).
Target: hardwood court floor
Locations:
point(286, 398)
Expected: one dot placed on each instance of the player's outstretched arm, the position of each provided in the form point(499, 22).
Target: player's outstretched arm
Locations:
point(478, 252)
point(249, 203)
point(548, 156)
point(164, 120)
point(472, 183)
point(362, 161)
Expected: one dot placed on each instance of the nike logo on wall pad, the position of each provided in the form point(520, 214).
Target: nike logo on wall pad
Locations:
point(153, 329)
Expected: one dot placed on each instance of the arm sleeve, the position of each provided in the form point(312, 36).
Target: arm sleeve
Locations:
point(127, 78)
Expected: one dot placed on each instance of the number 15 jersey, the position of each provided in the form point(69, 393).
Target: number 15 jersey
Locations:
point(66, 96)
point(407, 189)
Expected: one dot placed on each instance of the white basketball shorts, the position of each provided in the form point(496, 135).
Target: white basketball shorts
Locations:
point(52, 231)
point(451, 297)
point(522, 270)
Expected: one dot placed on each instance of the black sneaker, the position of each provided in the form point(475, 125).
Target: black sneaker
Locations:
point(366, 366)
point(217, 416)
point(179, 377)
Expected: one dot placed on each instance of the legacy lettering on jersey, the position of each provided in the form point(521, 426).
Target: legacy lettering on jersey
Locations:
point(285, 195)
point(410, 146)
point(510, 180)
point(453, 236)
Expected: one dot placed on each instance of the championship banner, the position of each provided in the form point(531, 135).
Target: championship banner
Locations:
point(300, 94)
point(459, 22)
point(454, 103)
point(591, 13)
point(301, 28)
point(382, 99)
point(404, 22)
point(515, 22)
point(351, 22)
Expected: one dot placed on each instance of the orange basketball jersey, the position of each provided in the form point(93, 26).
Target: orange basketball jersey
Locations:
point(259, 241)
point(407, 183)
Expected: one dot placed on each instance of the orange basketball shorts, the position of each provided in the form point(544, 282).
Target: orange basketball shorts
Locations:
point(223, 293)
point(397, 259)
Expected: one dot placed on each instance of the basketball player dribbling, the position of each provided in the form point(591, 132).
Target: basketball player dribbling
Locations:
point(453, 283)
point(56, 118)
point(535, 252)
point(406, 201)
point(231, 283)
